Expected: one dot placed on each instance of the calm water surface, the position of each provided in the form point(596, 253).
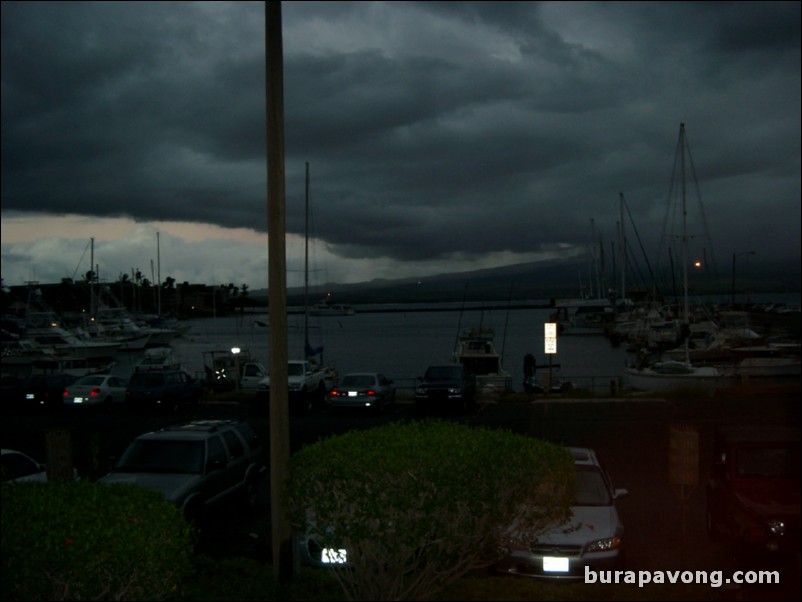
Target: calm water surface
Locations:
point(402, 344)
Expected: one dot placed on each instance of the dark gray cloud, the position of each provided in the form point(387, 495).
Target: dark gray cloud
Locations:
point(432, 129)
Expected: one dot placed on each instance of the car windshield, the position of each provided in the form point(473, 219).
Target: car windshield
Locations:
point(154, 455)
point(91, 381)
point(295, 369)
point(591, 488)
point(358, 380)
point(767, 462)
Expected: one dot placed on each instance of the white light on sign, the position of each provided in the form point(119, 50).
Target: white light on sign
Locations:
point(550, 337)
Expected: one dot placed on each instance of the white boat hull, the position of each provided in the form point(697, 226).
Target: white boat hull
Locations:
point(493, 384)
point(702, 379)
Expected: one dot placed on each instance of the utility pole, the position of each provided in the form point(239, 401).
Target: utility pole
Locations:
point(277, 295)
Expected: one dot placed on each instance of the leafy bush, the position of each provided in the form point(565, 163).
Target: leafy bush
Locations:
point(419, 504)
point(89, 541)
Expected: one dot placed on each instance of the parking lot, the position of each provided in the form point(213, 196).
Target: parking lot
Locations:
point(664, 520)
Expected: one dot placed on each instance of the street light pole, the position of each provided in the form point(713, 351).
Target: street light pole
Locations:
point(734, 257)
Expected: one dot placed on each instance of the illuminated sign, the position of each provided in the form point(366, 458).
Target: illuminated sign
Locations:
point(550, 337)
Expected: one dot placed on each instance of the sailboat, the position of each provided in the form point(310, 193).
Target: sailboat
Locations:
point(678, 375)
point(312, 354)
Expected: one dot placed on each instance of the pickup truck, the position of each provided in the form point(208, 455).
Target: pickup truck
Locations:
point(307, 384)
point(445, 387)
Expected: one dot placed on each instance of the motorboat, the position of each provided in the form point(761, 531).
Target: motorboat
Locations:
point(477, 352)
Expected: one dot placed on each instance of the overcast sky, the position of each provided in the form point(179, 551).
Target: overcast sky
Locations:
point(440, 136)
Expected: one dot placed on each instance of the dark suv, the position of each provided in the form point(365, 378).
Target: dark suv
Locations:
point(162, 389)
point(445, 387)
point(753, 495)
point(196, 465)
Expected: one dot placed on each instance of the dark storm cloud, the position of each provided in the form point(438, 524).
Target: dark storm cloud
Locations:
point(431, 129)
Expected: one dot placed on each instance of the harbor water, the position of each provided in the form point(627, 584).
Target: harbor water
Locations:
point(401, 344)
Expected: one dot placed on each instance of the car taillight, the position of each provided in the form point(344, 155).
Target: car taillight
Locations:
point(371, 392)
point(334, 393)
point(95, 392)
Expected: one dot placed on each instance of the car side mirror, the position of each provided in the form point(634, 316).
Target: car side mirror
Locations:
point(619, 493)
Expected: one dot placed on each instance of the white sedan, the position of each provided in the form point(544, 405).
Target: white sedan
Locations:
point(362, 390)
point(96, 390)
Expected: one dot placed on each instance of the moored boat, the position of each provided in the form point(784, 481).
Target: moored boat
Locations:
point(678, 377)
point(45, 332)
point(476, 351)
point(326, 307)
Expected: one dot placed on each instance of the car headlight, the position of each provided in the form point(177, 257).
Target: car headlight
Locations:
point(605, 545)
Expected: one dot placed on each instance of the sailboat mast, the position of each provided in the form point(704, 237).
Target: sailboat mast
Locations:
point(159, 276)
point(306, 261)
point(92, 280)
point(684, 238)
point(623, 243)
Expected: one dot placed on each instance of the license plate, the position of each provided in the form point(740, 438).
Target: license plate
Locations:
point(30, 396)
point(79, 400)
point(555, 564)
point(332, 556)
point(352, 393)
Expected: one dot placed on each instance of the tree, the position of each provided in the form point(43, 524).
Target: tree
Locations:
point(418, 505)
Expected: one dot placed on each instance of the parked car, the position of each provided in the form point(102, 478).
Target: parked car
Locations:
point(163, 389)
point(45, 391)
point(103, 390)
point(445, 387)
point(16, 466)
point(753, 494)
point(593, 537)
point(196, 465)
point(362, 390)
point(19, 467)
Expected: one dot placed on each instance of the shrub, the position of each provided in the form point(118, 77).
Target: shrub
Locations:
point(417, 505)
point(89, 541)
